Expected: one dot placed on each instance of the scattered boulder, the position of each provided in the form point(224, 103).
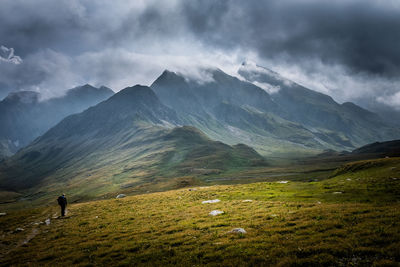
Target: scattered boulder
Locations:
point(348, 179)
point(210, 201)
point(19, 230)
point(47, 221)
point(336, 193)
point(192, 189)
point(3, 214)
point(282, 182)
point(121, 196)
point(247, 200)
point(216, 212)
point(238, 231)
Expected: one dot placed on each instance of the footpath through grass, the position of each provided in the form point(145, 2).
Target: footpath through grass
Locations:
point(351, 219)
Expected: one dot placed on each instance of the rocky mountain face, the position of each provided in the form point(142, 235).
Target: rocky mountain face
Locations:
point(268, 112)
point(320, 113)
point(128, 140)
point(180, 127)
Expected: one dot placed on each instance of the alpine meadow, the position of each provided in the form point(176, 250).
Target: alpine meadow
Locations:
point(200, 133)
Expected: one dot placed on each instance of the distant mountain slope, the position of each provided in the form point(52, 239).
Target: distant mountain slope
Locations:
point(291, 119)
point(346, 124)
point(389, 148)
point(232, 111)
point(23, 117)
point(126, 141)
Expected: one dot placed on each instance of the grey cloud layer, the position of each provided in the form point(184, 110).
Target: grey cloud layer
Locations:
point(356, 40)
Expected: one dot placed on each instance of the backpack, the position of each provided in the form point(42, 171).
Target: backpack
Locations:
point(60, 200)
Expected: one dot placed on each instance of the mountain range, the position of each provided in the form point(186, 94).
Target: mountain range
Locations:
point(24, 116)
point(125, 141)
point(290, 119)
point(177, 129)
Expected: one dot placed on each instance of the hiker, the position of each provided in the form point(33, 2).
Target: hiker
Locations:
point(62, 201)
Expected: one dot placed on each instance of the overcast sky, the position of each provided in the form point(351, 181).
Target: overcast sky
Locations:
point(349, 49)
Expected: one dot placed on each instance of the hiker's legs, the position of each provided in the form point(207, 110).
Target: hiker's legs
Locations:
point(62, 210)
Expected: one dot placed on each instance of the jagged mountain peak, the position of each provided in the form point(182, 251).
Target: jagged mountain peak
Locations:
point(134, 97)
point(130, 105)
point(88, 90)
point(135, 91)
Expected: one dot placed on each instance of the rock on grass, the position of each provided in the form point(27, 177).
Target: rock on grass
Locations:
point(216, 212)
point(210, 201)
point(237, 231)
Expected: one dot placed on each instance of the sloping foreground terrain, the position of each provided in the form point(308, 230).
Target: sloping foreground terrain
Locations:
point(351, 219)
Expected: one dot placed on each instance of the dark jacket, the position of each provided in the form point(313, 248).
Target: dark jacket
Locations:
point(62, 201)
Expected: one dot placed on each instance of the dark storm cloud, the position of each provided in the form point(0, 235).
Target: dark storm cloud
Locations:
point(361, 35)
point(329, 45)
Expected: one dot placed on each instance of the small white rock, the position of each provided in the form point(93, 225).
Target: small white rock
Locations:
point(47, 221)
point(210, 201)
point(348, 179)
point(19, 229)
point(337, 193)
point(121, 196)
point(238, 231)
point(282, 182)
point(247, 200)
point(3, 214)
point(216, 212)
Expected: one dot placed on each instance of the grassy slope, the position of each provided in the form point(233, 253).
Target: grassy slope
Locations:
point(298, 223)
point(148, 158)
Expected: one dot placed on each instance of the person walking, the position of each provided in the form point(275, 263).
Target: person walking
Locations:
point(62, 201)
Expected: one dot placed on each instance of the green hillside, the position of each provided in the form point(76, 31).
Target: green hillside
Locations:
point(126, 144)
point(351, 219)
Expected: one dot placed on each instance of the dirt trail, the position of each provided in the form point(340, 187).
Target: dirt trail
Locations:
point(34, 231)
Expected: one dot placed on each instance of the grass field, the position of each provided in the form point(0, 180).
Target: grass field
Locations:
point(350, 219)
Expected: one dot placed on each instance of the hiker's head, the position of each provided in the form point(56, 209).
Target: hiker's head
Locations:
point(63, 195)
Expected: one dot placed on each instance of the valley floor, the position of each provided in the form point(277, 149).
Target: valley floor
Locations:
point(351, 219)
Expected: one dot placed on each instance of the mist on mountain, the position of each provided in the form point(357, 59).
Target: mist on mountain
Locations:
point(24, 117)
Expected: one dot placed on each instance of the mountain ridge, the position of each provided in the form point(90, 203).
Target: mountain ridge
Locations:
point(294, 118)
point(123, 142)
point(23, 116)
